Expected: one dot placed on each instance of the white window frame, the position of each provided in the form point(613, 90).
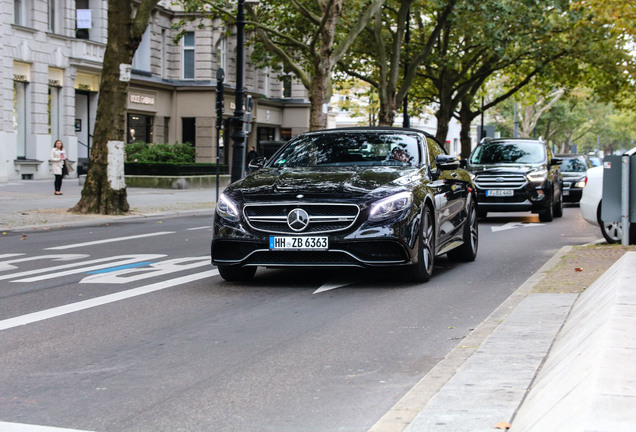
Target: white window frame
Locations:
point(188, 49)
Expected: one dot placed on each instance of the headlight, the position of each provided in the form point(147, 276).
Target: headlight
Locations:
point(580, 183)
point(391, 206)
point(538, 176)
point(226, 208)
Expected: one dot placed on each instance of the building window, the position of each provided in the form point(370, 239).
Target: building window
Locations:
point(287, 86)
point(188, 55)
point(83, 19)
point(189, 130)
point(163, 54)
point(221, 54)
point(166, 129)
point(141, 60)
point(53, 16)
point(21, 9)
point(140, 128)
point(54, 113)
point(19, 117)
point(266, 73)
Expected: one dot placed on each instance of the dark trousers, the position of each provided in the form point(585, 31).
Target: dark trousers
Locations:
point(58, 182)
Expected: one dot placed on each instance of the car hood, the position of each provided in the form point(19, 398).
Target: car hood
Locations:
point(505, 168)
point(323, 182)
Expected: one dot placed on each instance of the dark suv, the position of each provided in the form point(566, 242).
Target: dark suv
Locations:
point(517, 174)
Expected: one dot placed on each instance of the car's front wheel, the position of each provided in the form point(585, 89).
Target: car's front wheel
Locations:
point(234, 273)
point(423, 269)
point(468, 250)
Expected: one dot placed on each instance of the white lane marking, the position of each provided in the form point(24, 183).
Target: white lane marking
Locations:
point(107, 262)
point(20, 427)
point(10, 255)
point(153, 270)
point(334, 285)
point(513, 225)
point(99, 301)
point(199, 228)
point(110, 240)
point(8, 265)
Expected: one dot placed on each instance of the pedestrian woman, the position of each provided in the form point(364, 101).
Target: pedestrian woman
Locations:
point(58, 157)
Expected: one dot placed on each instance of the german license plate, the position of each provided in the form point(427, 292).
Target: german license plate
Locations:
point(499, 192)
point(298, 243)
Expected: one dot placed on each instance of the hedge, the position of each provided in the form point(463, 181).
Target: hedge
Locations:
point(172, 169)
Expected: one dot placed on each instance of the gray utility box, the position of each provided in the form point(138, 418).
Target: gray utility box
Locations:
point(617, 186)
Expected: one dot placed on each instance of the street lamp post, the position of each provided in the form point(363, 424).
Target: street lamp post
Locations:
point(220, 77)
point(238, 136)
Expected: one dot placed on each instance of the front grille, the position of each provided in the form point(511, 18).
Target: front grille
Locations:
point(323, 217)
point(500, 181)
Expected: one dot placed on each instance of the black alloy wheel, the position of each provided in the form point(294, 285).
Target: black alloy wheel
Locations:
point(423, 269)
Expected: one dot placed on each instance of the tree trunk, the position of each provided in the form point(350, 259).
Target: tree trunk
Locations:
point(386, 116)
point(466, 117)
point(104, 191)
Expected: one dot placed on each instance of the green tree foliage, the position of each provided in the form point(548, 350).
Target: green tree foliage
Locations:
point(395, 44)
point(306, 37)
point(579, 119)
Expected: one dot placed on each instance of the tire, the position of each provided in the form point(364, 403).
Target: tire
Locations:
point(423, 269)
point(547, 214)
point(612, 231)
point(557, 210)
point(234, 273)
point(468, 251)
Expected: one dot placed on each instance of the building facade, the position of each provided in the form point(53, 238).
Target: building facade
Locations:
point(50, 66)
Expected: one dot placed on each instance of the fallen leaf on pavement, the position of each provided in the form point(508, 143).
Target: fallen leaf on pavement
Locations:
point(578, 269)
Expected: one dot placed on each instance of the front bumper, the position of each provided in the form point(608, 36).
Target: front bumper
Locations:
point(524, 199)
point(367, 245)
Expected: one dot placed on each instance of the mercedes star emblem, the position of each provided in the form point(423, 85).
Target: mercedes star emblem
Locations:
point(298, 219)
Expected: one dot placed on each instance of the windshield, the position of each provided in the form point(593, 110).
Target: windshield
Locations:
point(574, 165)
point(502, 152)
point(350, 148)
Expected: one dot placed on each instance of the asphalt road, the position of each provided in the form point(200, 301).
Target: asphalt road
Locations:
point(126, 327)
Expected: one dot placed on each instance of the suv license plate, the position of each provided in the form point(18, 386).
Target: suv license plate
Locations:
point(500, 193)
point(298, 243)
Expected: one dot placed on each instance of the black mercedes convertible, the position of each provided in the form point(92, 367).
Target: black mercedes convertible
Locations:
point(357, 197)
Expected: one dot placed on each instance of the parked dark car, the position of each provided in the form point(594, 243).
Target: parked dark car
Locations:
point(574, 168)
point(517, 174)
point(359, 197)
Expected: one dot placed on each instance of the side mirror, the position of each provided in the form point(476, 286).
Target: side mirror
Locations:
point(257, 163)
point(463, 163)
point(446, 163)
point(556, 161)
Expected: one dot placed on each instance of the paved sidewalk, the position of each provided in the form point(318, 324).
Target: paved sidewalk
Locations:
point(32, 204)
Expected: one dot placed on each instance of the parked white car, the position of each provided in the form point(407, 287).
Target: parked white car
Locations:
point(590, 205)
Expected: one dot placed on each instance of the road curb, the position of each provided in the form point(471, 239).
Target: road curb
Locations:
point(94, 220)
point(400, 416)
